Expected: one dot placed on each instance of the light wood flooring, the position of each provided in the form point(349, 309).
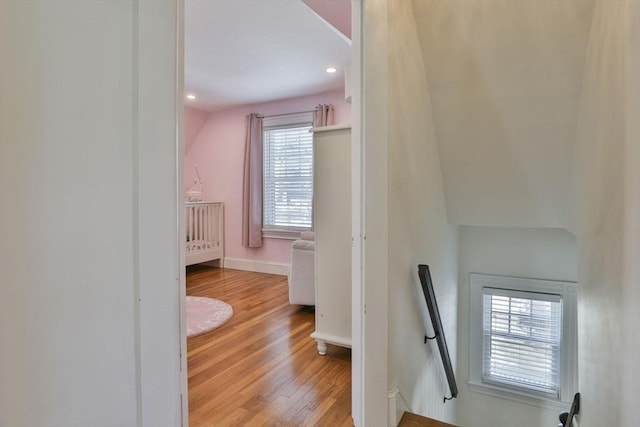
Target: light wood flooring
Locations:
point(413, 420)
point(261, 368)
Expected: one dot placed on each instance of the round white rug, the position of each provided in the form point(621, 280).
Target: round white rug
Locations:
point(206, 314)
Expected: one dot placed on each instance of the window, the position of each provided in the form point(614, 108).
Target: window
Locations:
point(523, 337)
point(288, 175)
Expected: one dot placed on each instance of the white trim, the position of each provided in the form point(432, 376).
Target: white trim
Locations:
point(181, 226)
point(374, 199)
point(157, 181)
point(392, 407)
point(569, 359)
point(329, 128)
point(282, 234)
point(516, 396)
point(397, 406)
point(357, 287)
point(257, 266)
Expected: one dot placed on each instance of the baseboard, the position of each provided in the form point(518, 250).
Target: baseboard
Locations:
point(392, 407)
point(397, 405)
point(257, 266)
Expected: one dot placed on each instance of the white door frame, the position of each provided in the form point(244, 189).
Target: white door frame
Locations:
point(184, 384)
point(369, 210)
point(364, 392)
point(157, 105)
point(370, 213)
point(357, 354)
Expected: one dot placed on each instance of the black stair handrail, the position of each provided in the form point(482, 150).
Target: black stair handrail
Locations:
point(434, 314)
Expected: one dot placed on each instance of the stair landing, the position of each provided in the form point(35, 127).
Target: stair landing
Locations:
point(413, 420)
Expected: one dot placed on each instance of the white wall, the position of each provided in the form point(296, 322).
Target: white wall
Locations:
point(540, 253)
point(606, 218)
point(88, 247)
point(373, 197)
point(418, 228)
point(518, 119)
point(505, 79)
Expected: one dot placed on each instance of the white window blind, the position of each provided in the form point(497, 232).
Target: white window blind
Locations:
point(522, 339)
point(288, 173)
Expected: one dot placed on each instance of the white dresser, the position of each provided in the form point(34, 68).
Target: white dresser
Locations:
point(332, 224)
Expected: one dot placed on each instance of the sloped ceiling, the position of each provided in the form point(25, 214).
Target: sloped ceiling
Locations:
point(505, 79)
point(250, 51)
point(337, 13)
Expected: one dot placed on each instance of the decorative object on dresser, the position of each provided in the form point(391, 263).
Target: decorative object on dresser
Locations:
point(194, 194)
point(332, 225)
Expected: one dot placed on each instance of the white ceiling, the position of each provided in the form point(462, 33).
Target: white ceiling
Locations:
point(250, 51)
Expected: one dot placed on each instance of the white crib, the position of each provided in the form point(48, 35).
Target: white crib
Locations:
point(205, 232)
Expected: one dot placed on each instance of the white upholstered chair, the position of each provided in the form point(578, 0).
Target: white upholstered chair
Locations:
point(302, 271)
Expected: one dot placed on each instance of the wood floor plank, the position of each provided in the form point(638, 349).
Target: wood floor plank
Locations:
point(261, 368)
point(413, 420)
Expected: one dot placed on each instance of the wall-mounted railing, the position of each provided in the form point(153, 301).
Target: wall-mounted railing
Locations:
point(436, 322)
point(566, 418)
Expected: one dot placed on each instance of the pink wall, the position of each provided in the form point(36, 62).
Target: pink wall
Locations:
point(193, 121)
point(336, 13)
point(218, 151)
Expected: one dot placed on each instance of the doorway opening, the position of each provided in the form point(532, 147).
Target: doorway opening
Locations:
point(270, 58)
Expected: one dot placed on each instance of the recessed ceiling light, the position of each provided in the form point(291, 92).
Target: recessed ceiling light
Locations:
point(331, 70)
point(191, 96)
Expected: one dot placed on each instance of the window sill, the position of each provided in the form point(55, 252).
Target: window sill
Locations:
point(281, 234)
point(329, 128)
point(518, 396)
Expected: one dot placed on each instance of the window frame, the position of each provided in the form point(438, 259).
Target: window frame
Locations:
point(277, 122)
point(568, 346)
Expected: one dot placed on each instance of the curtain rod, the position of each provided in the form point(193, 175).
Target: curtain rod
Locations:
point(287, 114)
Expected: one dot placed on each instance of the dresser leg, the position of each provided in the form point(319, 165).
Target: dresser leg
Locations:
point(322, 347)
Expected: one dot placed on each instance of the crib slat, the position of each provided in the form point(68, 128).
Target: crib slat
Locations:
point(189, 231)
point(204, 228)
point(211, 234)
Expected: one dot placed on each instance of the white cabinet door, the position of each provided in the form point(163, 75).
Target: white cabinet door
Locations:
point(332, 222)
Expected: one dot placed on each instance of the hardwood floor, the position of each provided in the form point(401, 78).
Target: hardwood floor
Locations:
point(261, 368)
point(413, 420)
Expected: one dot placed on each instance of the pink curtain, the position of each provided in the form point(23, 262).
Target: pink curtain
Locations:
point(252, 190)
point(323, 116)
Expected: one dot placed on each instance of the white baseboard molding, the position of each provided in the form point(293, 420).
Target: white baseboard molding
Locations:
point(257, 266)
point(396, 406)
point(392, 405)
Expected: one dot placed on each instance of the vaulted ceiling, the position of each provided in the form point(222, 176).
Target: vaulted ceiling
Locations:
point(505, 80)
